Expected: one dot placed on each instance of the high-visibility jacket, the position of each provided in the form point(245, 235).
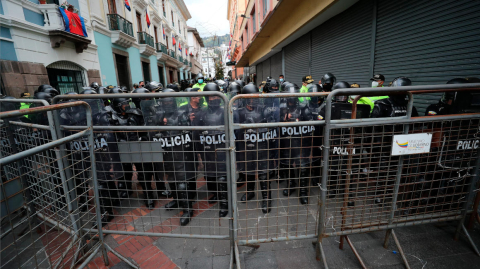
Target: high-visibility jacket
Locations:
point(24, 106)
point(201, 86)
point(367, 100)
point(303, 89)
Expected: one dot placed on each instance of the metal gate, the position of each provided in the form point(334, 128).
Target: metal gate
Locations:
point(43, 225)
point(150, 174)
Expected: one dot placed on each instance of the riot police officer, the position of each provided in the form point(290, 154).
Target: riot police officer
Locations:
point(253, 147)
point(95, 86)
point(445, 105)
point(145, 170)
point(154, 86)
point(194, 108)
point(272, 106)
point(200, 82)
point(215, 161)
point(295, 144)
point(396, 104)
point(327, 82)
point(178, 156)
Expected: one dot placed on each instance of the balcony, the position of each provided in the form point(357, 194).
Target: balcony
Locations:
point(180, 58)
point(144, 38)
point(147, 46)
point(164, 14)
point(161, 48)
point(122, 30)
point(171, 53)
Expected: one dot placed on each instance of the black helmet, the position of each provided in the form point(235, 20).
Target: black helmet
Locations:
point(43, 96)
point(9, 106)
point(124, 89)
point(314, 99)
point(95, 85)
point(192, 90)
point(222, 85)
point(341, 85)
point(191, 82)
point(291, 88)
point(88, 91)
point(102, 90)
point(114, 90)
point(212, 87)
point(234, 88)
point(169, 104)
point(174, 87)
point(137, 101)
point(328, 80)
point(240, 82)
point(51, 91)
point(154, 86)
point(249, 89)
point(41, 88)
point(401, 81)
point(457, 81)
point(272, 86)
point(121, 105)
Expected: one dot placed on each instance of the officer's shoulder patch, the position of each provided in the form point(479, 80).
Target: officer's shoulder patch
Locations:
point(432, 113)
point(319, 117)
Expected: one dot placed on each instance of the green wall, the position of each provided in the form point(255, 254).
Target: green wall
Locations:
point(154, 68)
point(105, 57)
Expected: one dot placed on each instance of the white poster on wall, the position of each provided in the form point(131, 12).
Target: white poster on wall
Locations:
point(411, 144)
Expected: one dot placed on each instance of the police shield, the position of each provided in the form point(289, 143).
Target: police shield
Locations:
point(107, 158)
point(253, 144)
point(176, 145)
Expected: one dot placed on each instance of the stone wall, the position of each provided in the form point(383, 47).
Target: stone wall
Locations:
point(19, 77)
point(94, 76)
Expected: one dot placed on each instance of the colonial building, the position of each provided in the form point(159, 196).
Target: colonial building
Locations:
point(195, 45)
point(130, 50)
point(35, 49)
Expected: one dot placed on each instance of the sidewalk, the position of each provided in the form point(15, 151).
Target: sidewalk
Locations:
point(433, 244)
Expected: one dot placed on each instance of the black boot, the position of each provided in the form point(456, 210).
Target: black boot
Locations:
point(187, 213)
point(149, 200)
point(266, 196)
point(124, 191)
point(303, 195)
point(223, 195)
point(212, 189)
point(172, 205)
point(290, 187)
point(250, 194)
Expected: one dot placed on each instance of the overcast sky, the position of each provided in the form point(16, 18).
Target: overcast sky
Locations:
point(208, 16)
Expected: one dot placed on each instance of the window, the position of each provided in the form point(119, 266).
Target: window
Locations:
point(179, 26)
point(265, 7)
point(139, 22)
point(253, 21)
point(167, 41)
point(112, 9)
point(173, 22)
point(155, 32)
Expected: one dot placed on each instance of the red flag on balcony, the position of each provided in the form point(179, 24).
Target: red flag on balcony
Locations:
point(73, 22)
point(174, 41)
point(148, 19)
point(163, 32)
point(180, 47)
point(127, 5)
point(186, 51)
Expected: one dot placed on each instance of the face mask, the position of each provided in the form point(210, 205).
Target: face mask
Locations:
point(200, 81)
point(215, 103)
point(281, 80)
point(374, 84)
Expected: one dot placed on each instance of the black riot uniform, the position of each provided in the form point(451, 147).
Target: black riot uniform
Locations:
point(272, 108)
point(295, 144)
point(194, 107)
point(253, 146)
point(209, 142)
point(446, 105)
point(178, 153)
point(145, 170)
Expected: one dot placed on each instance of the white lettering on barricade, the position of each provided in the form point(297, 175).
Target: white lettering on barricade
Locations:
point(411, 144)
point(174, 140)
point(342, 151)
point(212, 139)
point(260, 137)
point(297, 130)
point(83, 145)
point(468, 144)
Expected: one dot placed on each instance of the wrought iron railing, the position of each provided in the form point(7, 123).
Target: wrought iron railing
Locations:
point(180, 58)
point(171, 53)
point(118, 23)
point(161, 48)
point(144, 38)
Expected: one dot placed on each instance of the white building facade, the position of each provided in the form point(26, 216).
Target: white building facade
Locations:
point(195, 45)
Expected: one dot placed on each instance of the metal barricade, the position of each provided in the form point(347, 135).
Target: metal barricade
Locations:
point(382, 174)
point(289, 176)
point(161, 159)
point(42, 224)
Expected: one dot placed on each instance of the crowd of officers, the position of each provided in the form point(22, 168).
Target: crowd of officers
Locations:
point(262, 154)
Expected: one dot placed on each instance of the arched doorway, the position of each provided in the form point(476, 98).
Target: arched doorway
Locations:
point(66, 76)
